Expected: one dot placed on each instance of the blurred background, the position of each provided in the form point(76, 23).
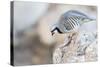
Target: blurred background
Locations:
point(33, 43)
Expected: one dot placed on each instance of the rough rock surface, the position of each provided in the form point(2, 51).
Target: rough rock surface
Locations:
point(78, 47)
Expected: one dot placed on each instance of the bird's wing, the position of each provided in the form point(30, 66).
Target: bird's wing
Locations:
point(75, 13)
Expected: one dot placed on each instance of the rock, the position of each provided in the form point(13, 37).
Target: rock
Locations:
point(81, 47)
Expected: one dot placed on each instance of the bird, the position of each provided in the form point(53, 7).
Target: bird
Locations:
point(70, 21)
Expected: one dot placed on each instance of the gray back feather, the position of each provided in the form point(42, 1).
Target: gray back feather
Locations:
point(74, 13)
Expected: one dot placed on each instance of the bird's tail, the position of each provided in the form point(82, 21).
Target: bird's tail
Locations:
point(88, 21)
